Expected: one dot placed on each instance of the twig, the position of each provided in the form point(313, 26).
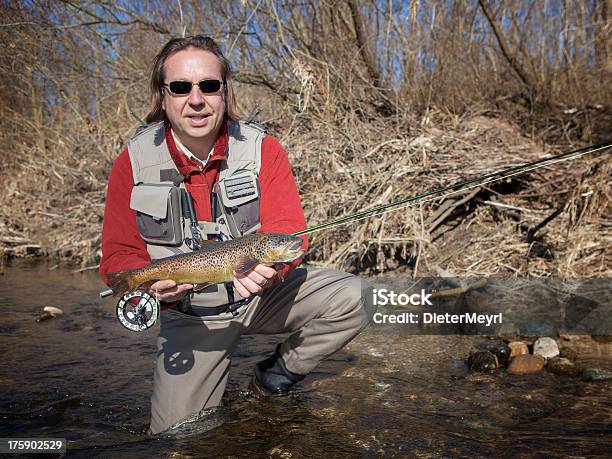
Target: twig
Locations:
point(507, 206)
point(87, 268)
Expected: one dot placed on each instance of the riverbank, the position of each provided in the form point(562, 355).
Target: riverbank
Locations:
point(550, 222)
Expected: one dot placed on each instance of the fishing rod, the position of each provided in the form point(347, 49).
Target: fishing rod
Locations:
point(455, 188)
point(138, 310)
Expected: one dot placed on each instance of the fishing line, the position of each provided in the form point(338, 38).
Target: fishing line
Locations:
point(139, 310)
point(455, 188)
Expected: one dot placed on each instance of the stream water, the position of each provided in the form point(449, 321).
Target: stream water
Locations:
point(85, 378)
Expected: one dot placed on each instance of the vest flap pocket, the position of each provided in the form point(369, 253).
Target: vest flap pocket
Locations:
point(159, 214)
point(238, 189)
point(151, 199)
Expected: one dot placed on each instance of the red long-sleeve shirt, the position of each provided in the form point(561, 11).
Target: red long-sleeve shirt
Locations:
point(280, 207)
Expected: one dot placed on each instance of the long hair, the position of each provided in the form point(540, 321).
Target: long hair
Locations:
point(156, 84)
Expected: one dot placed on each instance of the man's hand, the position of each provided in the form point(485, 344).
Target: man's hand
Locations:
point(256, 280)
point(168, 291)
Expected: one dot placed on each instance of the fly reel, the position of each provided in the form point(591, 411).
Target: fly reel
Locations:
point(137, 311)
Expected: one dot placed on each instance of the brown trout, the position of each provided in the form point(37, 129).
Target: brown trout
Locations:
point(215, 263)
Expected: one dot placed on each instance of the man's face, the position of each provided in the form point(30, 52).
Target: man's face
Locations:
point(195, 117)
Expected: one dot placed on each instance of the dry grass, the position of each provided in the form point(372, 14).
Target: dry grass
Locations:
point(361, 128)
point(479, 238)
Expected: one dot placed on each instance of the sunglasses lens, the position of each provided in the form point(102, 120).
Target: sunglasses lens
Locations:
point(209, 86)
point(180, 87)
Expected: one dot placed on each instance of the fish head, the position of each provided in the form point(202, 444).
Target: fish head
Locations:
point(279, 248)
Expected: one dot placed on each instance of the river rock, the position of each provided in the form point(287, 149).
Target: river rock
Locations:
point(524, 364)
point(498, 348)
point(49, 312)
point(562, 366)
point(502, 352)
point(568, 352)
point(489, 344)
point(597, 374)
point(546, 347)
point(483, 361)
point(585, 346)
point(518, 348)
point(179, 455)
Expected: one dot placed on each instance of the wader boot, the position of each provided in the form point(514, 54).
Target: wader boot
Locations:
point(271, 376)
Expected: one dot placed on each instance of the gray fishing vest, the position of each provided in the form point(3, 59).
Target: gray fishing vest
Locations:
point(160, 204)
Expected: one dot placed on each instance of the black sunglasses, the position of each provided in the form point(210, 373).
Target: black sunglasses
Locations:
point(182, 88)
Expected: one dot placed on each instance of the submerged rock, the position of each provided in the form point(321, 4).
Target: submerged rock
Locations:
point(280, 451)
point(568, 353)
point(498, 348)
point(483, 361)
point(562, 366)
point(585, 346)
point(524, 364)
point(597, 374)
point(49, 312)
point(546, 347)
point(518, 348)
point(477, 377)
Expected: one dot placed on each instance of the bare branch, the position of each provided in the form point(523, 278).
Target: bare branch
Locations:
point(505, 49)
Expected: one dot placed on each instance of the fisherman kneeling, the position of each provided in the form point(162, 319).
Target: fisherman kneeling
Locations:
point(196, 173)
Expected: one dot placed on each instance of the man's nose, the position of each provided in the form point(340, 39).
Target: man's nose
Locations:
point(195, 96)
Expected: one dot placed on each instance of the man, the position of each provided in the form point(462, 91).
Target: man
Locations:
point(195, 148)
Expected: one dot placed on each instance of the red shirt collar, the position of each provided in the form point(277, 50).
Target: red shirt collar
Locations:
point(187, 166)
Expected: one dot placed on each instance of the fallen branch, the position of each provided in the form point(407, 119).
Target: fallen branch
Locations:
point(507, 206)
point(448, 206)
point(459, 290)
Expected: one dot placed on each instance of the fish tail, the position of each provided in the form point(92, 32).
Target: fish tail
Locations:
point(121, 282)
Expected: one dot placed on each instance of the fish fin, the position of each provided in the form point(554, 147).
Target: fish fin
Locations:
point(199, 287)
point(119, 281)
point(245, 264)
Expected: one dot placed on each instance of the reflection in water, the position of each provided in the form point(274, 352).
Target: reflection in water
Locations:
point(84, 377)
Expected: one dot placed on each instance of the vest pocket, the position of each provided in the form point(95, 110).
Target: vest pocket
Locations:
point(238, 195)
point(158, 213)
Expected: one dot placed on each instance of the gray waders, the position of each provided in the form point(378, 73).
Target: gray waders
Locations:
point(322, 308)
